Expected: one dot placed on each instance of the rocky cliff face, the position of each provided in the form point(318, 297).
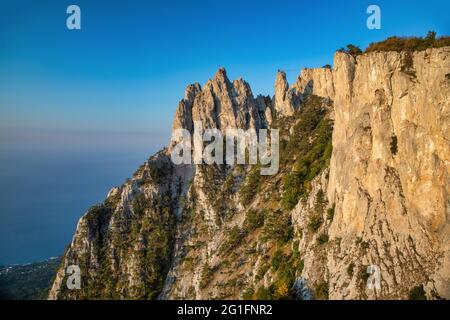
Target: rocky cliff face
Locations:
point(389, 173)
point(220, 104)
point(317, 81)
point(363, 181)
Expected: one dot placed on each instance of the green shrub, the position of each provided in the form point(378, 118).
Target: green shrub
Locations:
point(287, 271)
point(310, 146)
point(293, 185)
point(262, 271)
point(365, 245)
point(229, 184)
point(330, 213)
point(235, 237)
point(394, 147)
point(264, 293)
point(250, 187)
point(409, 43)
point(300, 266)
point(364, 275)
point(254, 219)
point(315, 223)
point(157, 172)
point(321, 291)
point(277, 259)
point(417, 293)
point(320, 202)
point(323, 238)
point(248, 294)
point(408, 65)
point(350, 269)
point(286, 267)
point(278, 226)
point(352, 50)
point(283, 290)
point(206, 276)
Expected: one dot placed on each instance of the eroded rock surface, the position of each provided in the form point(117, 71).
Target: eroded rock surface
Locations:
point(310, 231)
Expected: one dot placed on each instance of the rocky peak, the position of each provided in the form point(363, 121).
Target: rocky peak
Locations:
point(378, 199)
point(183, 114)
point(281, 83)
point(221, 76)
point(286, 100)
point(191, 91)
point(318, 81)
point(220, 104)
point(264, 106)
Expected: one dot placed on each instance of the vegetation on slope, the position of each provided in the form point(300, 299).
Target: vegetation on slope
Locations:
point(399, 44)
point(307, 152)
point(409, 43)
point(248, 216)
point(28, 282)
point(140, 236)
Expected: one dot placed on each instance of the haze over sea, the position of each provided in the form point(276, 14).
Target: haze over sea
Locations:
point(46, 189)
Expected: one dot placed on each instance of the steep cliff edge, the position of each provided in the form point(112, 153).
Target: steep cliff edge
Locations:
point(363, 180)
point(389, 173)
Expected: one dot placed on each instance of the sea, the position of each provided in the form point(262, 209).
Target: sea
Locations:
point(45, 190)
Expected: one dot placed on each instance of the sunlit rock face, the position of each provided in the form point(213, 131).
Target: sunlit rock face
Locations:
point(389, 173)
point(381, 200)
point(318, 81)
point(220, 104)
point(286, 100)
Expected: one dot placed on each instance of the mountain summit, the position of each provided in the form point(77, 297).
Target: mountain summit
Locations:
point(358, 210)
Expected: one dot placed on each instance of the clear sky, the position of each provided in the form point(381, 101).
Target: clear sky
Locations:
point(121, 76)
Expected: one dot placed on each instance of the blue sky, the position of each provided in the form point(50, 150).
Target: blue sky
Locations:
point(120, 77)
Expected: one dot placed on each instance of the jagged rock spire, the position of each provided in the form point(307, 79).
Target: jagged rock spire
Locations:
point(318, 81)
point(286, 100)
point(220, 104)
point(183, 114)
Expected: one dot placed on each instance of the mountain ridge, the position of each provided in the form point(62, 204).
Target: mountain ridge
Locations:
point(378, 196)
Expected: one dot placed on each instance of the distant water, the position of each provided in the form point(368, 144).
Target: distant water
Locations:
point(43, 193)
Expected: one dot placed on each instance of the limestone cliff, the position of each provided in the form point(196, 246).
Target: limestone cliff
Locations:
point(317, 81)
point(363, 181)
point(389, 173)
